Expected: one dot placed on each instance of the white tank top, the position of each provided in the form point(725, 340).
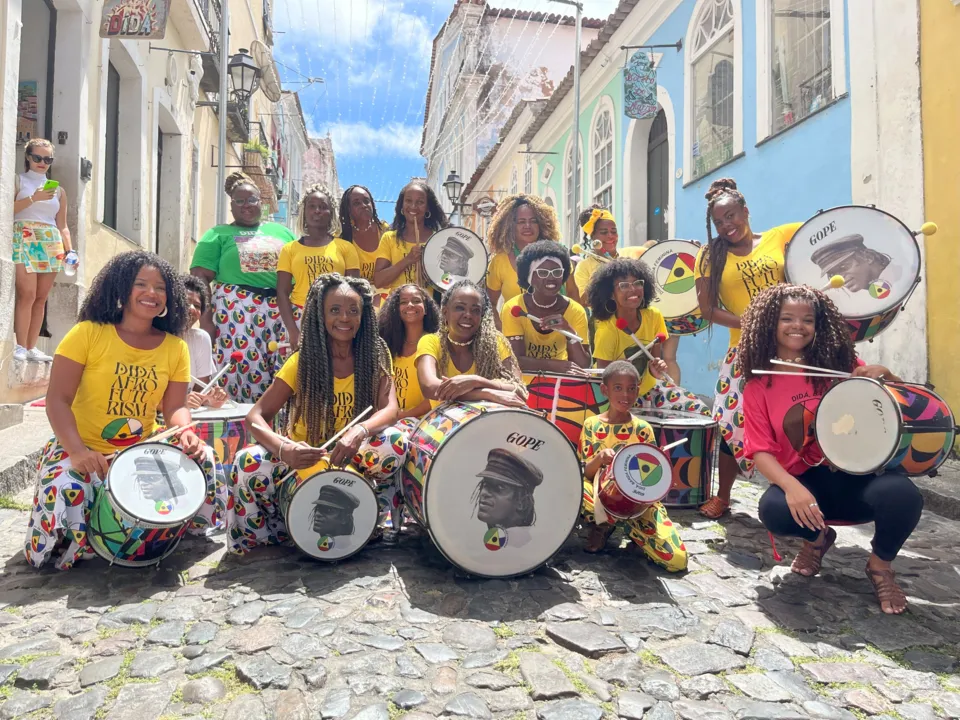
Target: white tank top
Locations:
point(44, 211)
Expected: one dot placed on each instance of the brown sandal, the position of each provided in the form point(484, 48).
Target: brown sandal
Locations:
point(715, 508)
point(887, 590)
point(810, 556)
point(597, 539)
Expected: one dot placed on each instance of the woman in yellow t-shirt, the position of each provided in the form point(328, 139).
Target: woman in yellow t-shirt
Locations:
point(600, 239)
point(342, 368)
point(361, 225)
point(319, 250)
point(543, 268)
point(520, 220)
point(117, 367)
point(408, 313)
point(468, 358)
point(620, 293)
point(730, 271)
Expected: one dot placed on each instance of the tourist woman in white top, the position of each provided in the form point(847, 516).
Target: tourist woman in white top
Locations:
point(41, 244)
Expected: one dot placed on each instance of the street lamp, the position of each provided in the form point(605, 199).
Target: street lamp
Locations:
point(245, 76)
point(454, 186)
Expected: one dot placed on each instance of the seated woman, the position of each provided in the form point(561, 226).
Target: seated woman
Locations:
point(408, 313)
point(468, 358)
point(799, 324)
point(602, 436)
point(543, 268)
point(202, 367)
point(620, 294)
point(342, 368)
point(116, 368)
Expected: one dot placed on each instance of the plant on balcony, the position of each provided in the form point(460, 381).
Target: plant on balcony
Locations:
point(254, 146)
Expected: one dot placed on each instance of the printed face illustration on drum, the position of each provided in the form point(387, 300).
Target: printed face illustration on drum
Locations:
point(860, 267)
point(157, 479)
point(455, 257)
point(453, 254)
point(333, 511)
point(504, 496)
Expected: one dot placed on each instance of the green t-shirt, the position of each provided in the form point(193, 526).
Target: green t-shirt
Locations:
point(243, 255)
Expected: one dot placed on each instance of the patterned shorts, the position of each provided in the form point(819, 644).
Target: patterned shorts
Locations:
point(37, 246)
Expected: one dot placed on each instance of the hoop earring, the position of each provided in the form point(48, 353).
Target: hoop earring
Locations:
point(426, 215)
point(119, 305)
point(164, 313)
point(606, 306)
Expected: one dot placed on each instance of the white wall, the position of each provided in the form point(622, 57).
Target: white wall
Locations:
point(34, 45)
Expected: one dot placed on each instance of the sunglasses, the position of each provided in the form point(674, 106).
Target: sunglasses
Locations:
point(543, 273)
point(44, 159)
point(624, 285)
point(252, 200)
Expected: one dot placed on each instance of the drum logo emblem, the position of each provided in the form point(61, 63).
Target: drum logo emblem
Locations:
point(644, 470)
point(325, 543)
point(495, 538)
point(879, 289)
point(679, 273)
point(163, 507)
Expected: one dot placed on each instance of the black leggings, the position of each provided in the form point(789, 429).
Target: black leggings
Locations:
point(892, 502)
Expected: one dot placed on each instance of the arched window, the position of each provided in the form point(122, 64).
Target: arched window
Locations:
point(514, 181)
point(603, 160)
point(528, 177)
point(571, 208)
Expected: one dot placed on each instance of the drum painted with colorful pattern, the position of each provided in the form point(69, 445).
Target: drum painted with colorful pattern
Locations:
point(568, 400)
point(866, 426)
point(225, 430)
point(693, 461)
point(498, 489)
point(639, 476)
point(143, 508)
point(671, 263)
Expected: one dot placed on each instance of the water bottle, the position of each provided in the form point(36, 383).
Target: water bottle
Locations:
point(70, 263)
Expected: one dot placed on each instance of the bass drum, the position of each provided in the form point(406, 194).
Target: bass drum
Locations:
point(671, 262)
point(498, 489)
point(453, 254)
point(567, 400)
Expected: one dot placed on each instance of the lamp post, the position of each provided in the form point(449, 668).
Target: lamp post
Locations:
point(454, 186)
point(575, 164)
point(243, 74)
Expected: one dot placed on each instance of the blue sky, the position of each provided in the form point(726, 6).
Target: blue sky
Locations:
point(374, 58)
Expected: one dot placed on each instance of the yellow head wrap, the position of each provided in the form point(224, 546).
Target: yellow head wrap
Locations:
point(594, 217)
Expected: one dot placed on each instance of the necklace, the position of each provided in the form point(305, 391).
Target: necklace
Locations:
point(459, 344)
point(533, 299)
point(798, 360)
point(369, 225)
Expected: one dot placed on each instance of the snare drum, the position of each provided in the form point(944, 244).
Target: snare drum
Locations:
point(693, 461)
point(639, 476)
point(671, 262)
point(876, 255)
point(453, 254)
point(865, 426)
point(225, 430)
point(330, 514)
point(567, 399)
point(143, 508)
point(498, 489)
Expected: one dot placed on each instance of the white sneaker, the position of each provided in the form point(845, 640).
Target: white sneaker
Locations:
point(34, 355)
point(20, 353)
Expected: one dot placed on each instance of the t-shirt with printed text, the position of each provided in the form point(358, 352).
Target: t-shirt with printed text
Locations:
point(243, 255)
point(405, 379)
point(305, 264)
point(396, 250)
point(611, 343)
point(343, 400)
point(549, 346)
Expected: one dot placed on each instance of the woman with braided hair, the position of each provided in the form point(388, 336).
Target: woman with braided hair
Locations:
point(730, 270)
point(407, 315)
point(362, 226)
point(468, 358)
point(342, 368)
point(802, 325)
point(239, 262)
point(319, 251)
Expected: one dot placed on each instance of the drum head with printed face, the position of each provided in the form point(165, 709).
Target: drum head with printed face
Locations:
point(643, 472)
point(671, 263)
point(157, 483)
point(453, 254)
point(858, 425)
point(875, 254)
point(332, 514)
point(503, 493)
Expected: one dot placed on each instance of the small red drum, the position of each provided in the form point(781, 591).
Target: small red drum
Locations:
point(568, 400)
point(453, 254)
point(639, 475)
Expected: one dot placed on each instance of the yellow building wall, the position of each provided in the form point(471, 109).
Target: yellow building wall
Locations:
point(940, 117)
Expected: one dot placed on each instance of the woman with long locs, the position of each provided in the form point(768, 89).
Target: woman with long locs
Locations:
point(342, 367)
point(361, 226)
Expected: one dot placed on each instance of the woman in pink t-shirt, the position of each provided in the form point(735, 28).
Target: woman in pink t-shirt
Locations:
point(799, 324)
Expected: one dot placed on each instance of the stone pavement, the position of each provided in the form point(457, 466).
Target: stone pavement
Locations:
point(396, 632)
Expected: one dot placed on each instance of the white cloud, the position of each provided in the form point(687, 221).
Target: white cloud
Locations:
point(361, 140)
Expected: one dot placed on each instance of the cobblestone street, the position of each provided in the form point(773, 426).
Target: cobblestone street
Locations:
point(396, 632)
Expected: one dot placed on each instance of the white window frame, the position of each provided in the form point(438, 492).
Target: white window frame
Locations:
point(838, 62)
point(569, 220)
point(688, 99)
point(605, 105)
point(514, 180)
point(528, 177)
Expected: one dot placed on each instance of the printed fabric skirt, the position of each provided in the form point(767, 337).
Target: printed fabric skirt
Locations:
point(667, 396)
point(64, 497)
point(247, 322)
point(653, 531)
point(728, 409)
point(253, 515)
point(37, 246)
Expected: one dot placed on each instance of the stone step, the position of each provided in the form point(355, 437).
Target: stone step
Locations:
point(20, 447)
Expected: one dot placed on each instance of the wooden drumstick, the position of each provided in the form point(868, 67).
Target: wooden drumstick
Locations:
point(813, 368)
point(332, 440)
point(273, 345)
point(235, 357)
point(518, 311)
point(673, 444)
point(622, 326)
point(837, 281)
point(658, 339)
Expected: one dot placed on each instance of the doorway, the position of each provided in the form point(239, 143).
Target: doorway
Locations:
point(658, 154)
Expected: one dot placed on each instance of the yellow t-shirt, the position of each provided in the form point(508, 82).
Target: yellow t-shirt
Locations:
point(581, 276)
point(598, 435)
point(368, 262)
point(611, 343)
point(122, 387)
point(553, 345)
point(343, 402)
point(308, 263)
point(395, 251)
point(430, 345)
point(744, 277)
point(502, 277)
point(405, 379)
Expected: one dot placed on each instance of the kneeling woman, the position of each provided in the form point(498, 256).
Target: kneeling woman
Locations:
point(407, 315)
point(543, 268)
point(342, 368)
point(120, 365)
point(468, 358)
point(799, 324)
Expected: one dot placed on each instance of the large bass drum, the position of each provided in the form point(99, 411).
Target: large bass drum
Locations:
point(672, 263)
point(498, 489)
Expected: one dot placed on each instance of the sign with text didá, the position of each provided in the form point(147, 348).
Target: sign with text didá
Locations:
point(134, 19)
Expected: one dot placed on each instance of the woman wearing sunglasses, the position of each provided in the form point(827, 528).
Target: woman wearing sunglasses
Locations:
point(543, 268)
point(41, 245)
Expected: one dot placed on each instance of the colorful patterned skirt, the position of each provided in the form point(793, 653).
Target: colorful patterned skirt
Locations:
point(37, 246)
point(667, 396)
point(728, 409)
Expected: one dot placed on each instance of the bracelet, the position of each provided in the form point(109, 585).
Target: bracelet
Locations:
point(280, 451)
point(366, 433)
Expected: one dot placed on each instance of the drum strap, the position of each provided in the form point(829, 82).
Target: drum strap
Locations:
point(599, 513)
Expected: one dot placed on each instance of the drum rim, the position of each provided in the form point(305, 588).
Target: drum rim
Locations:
point(426, 489)
point(366, 542)
point(201, 415)
point(125, 512)
point(916, 245)
point(486, 264)
point(658, 449)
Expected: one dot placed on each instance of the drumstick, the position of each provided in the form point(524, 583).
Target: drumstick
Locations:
point(673, 444)
point(836, 281)
point(578, 250)
point(346, 427)
point(622, 326)
point(162, 436)
point(518, 311)
point(928, 228)
point(814, 368)
point(658, 339)
point(235, 357)
point(273, 345)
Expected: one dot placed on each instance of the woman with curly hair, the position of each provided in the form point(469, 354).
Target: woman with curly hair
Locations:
point(730, 270)
point(122, 363)
point(362, 226)
point(408, 313)
point(542, 268)
point(239, 261)
point(519, 221)
point(417, 216)
point(468, 358)
point(621, 292)
point(342, 368)
point(802, 325)
point(319, 250)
